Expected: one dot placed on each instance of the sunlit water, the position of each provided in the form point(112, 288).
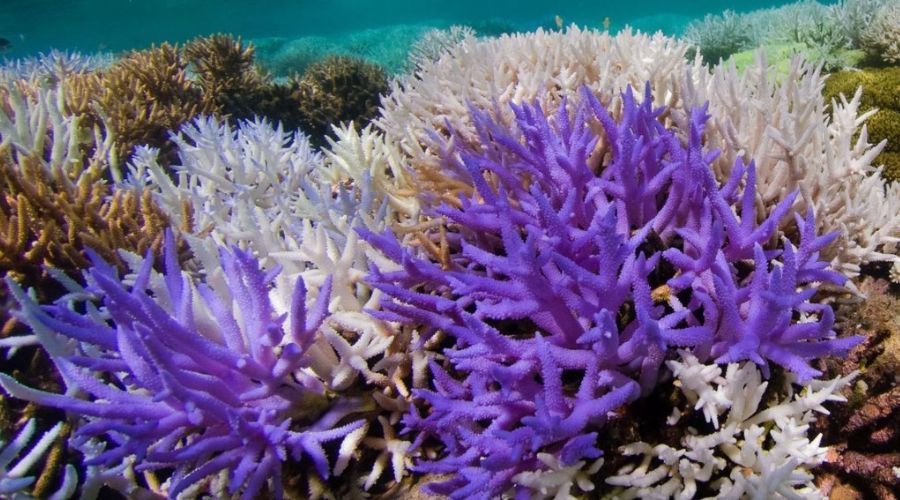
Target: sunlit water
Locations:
point(32, 26)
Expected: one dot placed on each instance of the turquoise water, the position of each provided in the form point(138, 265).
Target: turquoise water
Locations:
point(33, 26)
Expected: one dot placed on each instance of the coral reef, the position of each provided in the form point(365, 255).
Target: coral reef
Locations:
point(541, 340)
point(339, 89)
point(521, 279)
point(828, 34)
point(879, 91)
point(784, 124)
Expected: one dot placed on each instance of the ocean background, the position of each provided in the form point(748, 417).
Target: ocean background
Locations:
point(34, 26)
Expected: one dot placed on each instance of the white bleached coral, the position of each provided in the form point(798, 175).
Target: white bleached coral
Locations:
point(760, 450)
point(521, 67)
point(558, 480)
point(799, 142)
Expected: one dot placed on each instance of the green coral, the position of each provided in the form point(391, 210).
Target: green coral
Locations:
point(779, 56)
point(881, 90)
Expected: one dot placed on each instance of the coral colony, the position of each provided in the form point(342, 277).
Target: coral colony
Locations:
point(599, 275)
point(606, 273)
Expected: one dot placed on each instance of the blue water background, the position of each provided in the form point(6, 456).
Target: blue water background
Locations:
point(34, 26)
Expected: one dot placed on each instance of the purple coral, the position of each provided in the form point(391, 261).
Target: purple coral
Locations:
point(193, 387)
point(568, 285)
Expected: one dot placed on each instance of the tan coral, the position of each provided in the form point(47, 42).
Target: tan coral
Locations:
point(56, 196)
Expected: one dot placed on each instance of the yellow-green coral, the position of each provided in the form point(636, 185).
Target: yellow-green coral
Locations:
point(881, 90)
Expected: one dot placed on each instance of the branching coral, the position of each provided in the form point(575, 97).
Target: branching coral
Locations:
point(879, 91)
point(268, 191)
point(222, 383)
point(799, 144)
point(54, 65)
point(856, 16)
point(572, 273)
point(521, 67)
point(339, 89)
point(226, 72)
point(717, 37)
point(761, 450)
point(782, 123)
point(881, 37)
point(56, 198)
point(143, 96)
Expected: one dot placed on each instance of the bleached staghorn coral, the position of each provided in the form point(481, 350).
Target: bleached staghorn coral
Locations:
point(357, 155)
point(265, 190)
point(519, 68)
point(855, 16)
point(54, 65)
point(798, 142)
point(717, 37)
point(760, 450)
point(881, 37)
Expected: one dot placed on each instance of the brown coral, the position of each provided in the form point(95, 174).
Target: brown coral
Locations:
point(339, 89)
point(144, 96)
point(864, 433)
point(137, 100)
point(226, 72)
point(47, 218)
point(56, 197)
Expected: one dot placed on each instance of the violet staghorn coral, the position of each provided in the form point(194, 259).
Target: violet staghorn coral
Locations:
point(573, 273)
point(191, 379)
point(260, 188)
